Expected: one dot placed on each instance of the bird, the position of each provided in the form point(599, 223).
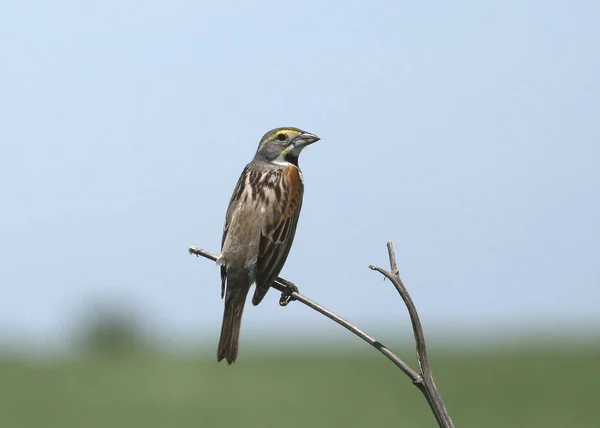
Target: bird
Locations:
point(260, 225)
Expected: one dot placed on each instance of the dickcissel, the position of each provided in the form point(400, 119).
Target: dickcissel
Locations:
point(259, 227)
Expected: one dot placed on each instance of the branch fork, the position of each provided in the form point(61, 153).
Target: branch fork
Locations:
point(423, 379)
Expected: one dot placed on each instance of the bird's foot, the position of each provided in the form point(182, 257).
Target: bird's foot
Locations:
point(287, 295)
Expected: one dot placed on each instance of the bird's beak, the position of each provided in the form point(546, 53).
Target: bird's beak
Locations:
point(304, 139)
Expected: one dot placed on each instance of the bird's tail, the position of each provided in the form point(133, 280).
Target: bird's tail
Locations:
point(235, 298)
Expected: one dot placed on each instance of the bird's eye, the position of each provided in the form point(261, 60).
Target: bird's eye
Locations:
point(281, 137)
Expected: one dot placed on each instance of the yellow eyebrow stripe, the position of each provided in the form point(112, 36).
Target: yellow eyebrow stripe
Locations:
point(284, 131)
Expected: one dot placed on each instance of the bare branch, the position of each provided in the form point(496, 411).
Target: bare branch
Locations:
point(427, 387)
point(287, 290)
point(423, 380)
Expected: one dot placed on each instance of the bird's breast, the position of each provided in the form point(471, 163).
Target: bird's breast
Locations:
point(293, 189)
point(264, 198)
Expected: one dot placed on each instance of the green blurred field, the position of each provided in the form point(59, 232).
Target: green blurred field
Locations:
point(535, 388)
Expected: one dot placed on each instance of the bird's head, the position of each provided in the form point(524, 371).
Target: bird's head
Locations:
point(283, 145)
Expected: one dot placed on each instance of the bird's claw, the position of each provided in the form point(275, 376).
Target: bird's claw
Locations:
point(286, 296)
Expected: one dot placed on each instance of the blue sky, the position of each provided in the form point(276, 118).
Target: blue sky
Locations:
point(467, 133)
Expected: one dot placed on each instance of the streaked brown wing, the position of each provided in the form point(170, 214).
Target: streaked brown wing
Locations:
point(278, 232)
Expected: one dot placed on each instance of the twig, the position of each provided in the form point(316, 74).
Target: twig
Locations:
point(427, 387)
point(287, 290)
point(423, 380)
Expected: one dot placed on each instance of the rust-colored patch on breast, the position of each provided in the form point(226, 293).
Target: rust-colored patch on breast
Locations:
point(293, 190)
